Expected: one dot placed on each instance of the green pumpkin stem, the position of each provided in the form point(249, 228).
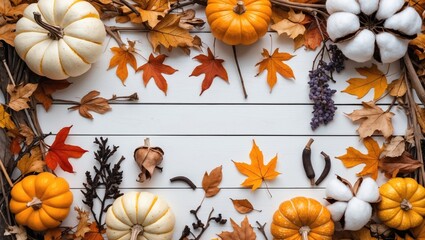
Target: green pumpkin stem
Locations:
point(55, 32)
point(239, 8)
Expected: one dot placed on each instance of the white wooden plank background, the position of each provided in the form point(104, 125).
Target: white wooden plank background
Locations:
point(199, 133)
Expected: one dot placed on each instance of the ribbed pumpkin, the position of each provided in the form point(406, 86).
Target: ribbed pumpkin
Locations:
point(302, 219)
point(238, 22)
point(139, 215)
point(403, 203)
point(41, 201)
point(60, 38)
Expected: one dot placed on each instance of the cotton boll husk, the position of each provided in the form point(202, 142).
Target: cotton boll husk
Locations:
point(341, 24)
point(368, 190)
point(338, 190)
point(351, 6)
point(361, 48)
point(387, 8)
point(369, 6)
point(337, 210)
point(357, 214)
point(407, 21)
point(391, 47)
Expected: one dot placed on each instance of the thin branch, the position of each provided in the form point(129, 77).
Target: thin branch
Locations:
point(239, 71)
point(416, 82)
point(6, 175)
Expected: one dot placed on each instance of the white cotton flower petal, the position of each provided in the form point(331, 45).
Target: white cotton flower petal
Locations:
point(360, 48)
point(368, 190)
point(351, 6)
point(369, 6)
point(391, 47)
point(341, 24)
point(407, 21)
point(337, 210)
point(338, 190)
point(387, 8)
point(357, 214)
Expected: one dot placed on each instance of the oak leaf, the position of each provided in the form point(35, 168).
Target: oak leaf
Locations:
point(274, 64)
point(372, 118)
point(210, 66)
point(211, 181)
point(293, 26)
point(354, 157)
point(401, 164)
point(92, 102)
point(243, 205)
point(59, 152)
point(150, 11)
point(19, 95)
point(154, 68)
point(31, 162)
point(394, 148)
point(397, 88)
point(122, 56)
point(169, 34)
point(45, 89)
point(243, 232)
point(94, 233)
point(5, 120)
point(374, 79)
point(257, 172)
point(83, 223)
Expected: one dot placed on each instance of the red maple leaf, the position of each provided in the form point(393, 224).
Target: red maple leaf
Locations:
point(154, 68)
point(210, 66)
point(59, 152)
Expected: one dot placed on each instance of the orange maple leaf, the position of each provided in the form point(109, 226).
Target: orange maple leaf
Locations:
point(123, 56)
point(243, 232)
point(274, 64)
point(59, 152)
point(374, 79)
point(354, 157)
point(154, 68)
point(210, 66)
point(94, 233)
point(257, 172)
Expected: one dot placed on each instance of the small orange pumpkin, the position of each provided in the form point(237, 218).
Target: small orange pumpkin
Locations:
point(238, 22)
point(302, 218)
point(41, 201)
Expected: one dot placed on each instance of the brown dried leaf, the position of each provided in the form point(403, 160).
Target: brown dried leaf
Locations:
point(211, 181)
point(312, 38)
point(420, 116)
point(242, 205)
point(18, 231)
point(7, 33)
point(94, 233)
point(189, 21)
point(151, 11)
point(402, 164)
point(53, 234)
point(148, 158)
point(45, 89)
point(410, 136)
point(398, 88)
point(394, 148)
point(372, 119)
point(243, 232)
point(91, 102)
point(292, 26)
point(83, 223)
point(19, 95)
point(31, 162)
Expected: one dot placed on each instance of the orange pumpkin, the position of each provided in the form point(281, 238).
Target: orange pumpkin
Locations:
point(419, 232)
point(302, 218)
point(238, 22)
point(41, 201)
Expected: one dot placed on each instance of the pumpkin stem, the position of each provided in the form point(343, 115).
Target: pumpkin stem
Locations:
point(135, 231)
point(55, 32)
point(405, 205)
point(304, 230)
point(35, 203)
point(239, 8)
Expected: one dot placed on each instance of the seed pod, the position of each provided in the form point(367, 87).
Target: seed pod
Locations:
point(326, 169)
point(308, 168)
point(148, 158)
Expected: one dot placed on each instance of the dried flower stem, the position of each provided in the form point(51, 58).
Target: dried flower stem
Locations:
point(262, 229)
point(239, 71)
point(309, 7)
point(416, 83)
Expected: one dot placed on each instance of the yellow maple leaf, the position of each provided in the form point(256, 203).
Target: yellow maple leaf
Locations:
point(354, 157)
point(31, 162)
point(361, 86)
point(123, 56)
point(419, 43)
point(150, 11)
point(293, 25)
point(257, 172)
point(5, 120)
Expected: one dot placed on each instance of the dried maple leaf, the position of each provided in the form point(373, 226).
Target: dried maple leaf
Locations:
point(354, 157)
point(397, 88)
point(169, 34)
point(18, 231)
point(122, 56)
point(257, 172)
point(94, 233)
point(27, 133)
point(401, 164)
point(45, 89)
point(31, 162)
point(83, 223)
point(91, 102)
point(394, 148)
point(210, 66)
point(293, 26)
point(372, 118)
point(313, 38)
point(211, 181)
point(19, 95)
point(150, 11)
point(5, 120)
point(374, 79)
point(59, 152)
point(154, 68)
point(53, 234)
point(243, 206)
point(274, 65)
point(243, 232)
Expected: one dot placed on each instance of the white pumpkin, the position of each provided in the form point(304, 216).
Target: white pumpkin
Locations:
point(60, 38)
point(139, 215)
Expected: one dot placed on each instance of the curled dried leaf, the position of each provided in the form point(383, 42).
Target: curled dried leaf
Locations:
point(92, 102)
point(211, 181)
point(394, 148)
point(148, 158)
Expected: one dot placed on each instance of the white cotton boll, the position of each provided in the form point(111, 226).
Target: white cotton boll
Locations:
point(369, 6)
point(407, 21)
point(341, 24)
point(338, 190)
point(351, 6)
point(368, 190)
point(360, 48)
point(391, 47)
point(337, 210)
point(357, 214)
point(387, 8)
